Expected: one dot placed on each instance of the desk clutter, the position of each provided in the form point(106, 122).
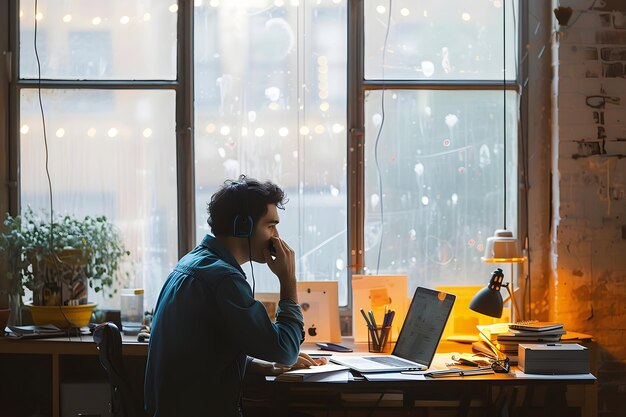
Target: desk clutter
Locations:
point(535, 347)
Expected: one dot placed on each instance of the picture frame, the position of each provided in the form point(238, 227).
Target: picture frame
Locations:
point(320, 307)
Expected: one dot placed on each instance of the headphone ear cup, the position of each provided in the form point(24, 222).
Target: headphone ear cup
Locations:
point(242, 226)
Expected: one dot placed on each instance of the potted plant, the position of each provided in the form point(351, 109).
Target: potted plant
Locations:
point(58, 259)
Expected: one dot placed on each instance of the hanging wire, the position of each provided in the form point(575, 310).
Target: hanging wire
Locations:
point(45, 136)
point(380, 129)
point(504, 99)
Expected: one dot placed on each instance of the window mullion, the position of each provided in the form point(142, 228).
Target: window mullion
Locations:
point(184, 130)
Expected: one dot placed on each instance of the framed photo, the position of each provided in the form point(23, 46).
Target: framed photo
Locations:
point(320, 307)
point(377, 292)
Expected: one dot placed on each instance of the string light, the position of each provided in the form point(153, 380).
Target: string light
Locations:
point(283, 131)
point(225, 130)
point(173, 8)
point(381, 9)
point(147, 132)
point(244, 131)
point(112, 132)
point(259, 132)
point(319, 129)
point(124, 20)
point(96, 21)
point(67, 18)
point(304, 130)
point(146, 17)
point(24, 129)
point(404, 12)
point(324, 106)
point(60, 132)
point(210, 128)
point(466, 16)
point(91, 132)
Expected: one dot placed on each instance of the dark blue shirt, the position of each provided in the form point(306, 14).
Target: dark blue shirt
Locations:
point(206, 323)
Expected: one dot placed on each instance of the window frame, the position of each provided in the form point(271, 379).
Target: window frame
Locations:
point(183, 85)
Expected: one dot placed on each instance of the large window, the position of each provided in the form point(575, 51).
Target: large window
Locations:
point(276, 96)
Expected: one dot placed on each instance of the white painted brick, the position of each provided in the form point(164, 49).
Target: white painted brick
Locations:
point(576, 53)
point(577, 37)
point(576, 4)
point(586, 20)
point(615, 115)
point(570, 100)
point(579, 131)
point(611, 37)
point(584, 86)
point(580, 115)
point(590, 69)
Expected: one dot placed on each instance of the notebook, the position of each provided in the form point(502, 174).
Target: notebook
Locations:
point(418, 338)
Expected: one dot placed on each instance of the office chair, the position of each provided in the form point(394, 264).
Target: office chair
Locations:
point(109, 342)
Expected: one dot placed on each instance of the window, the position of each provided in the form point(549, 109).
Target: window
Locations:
point(111, 140)
point(433, 118)
point(390, 149)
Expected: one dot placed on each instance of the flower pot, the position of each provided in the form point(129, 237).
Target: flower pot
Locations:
point(61, 277)
point(62, 316)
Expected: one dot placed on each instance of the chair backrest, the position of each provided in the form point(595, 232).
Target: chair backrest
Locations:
point(109, 342)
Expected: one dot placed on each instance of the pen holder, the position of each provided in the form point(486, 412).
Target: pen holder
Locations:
point(379, 339)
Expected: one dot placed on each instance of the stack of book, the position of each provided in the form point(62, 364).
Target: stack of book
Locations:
point(506, 337)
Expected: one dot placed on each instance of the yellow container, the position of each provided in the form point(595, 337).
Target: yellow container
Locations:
point(62, 316)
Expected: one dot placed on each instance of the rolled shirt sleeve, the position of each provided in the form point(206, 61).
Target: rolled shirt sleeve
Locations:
point(252, 331)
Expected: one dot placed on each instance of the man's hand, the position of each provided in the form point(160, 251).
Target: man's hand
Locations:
point(283, 264)
point(272, 368)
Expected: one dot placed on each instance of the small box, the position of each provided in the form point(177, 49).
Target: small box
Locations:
point(553, 358)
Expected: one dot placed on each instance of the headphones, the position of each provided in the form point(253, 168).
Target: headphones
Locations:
point(242, 223)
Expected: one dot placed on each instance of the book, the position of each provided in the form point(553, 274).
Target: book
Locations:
point(322, 373)
point(537, 337)
point(35, 332)
point(535, 325)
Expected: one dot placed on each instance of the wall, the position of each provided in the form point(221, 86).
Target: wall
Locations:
point(589, 171)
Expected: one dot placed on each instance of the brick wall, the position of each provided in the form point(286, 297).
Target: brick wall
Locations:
point(589, 219)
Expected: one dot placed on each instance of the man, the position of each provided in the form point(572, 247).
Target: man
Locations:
point(207, 325)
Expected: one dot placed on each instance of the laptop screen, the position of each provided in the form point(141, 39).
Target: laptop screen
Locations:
point(423, 326)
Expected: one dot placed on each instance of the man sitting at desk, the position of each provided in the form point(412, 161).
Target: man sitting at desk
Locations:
point(207, 325)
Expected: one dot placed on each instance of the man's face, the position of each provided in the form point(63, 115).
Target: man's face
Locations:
point(264, 229)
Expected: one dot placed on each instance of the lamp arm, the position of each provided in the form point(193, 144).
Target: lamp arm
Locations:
point(512, 297)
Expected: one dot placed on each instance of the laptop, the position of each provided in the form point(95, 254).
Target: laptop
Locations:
point(418, 338)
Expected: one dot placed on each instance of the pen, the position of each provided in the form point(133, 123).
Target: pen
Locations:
point(366, 319)
point(372, 319)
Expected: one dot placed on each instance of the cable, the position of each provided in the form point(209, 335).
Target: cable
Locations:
point(251, 267)
point(45, 137)
point(380, 129)
point(504, 98)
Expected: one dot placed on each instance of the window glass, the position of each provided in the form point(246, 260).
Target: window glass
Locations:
point(111, 153)
point(437, 40)
point(113, 39)
point(270, 83)
point(439, 183)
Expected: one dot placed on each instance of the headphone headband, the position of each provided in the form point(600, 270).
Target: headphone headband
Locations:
point(242, 223)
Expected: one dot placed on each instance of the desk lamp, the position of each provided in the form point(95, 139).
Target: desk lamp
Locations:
point(488, 301)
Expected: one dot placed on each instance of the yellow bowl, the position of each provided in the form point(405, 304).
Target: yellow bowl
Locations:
point(62, 316)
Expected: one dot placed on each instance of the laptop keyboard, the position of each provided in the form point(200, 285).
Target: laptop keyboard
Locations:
point(389, 360)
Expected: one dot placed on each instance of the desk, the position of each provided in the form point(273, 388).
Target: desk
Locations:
point(34, 371)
